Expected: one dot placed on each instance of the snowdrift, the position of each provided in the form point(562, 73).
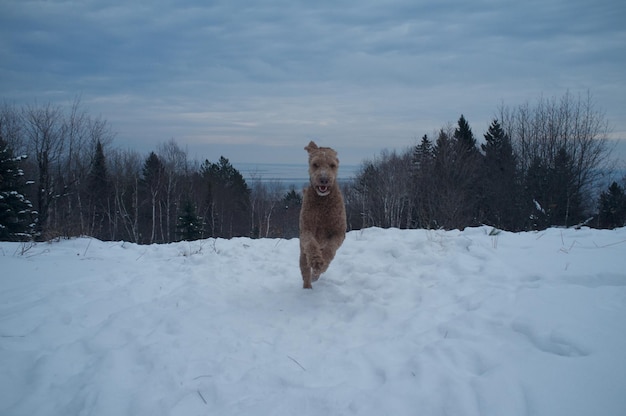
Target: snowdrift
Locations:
point(404, 322)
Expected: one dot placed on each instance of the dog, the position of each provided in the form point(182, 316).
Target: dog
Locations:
point(322, 216)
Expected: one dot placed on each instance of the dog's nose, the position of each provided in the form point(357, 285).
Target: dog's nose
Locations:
point(324, 181)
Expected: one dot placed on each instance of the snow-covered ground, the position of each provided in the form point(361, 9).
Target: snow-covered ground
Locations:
point(403, 323)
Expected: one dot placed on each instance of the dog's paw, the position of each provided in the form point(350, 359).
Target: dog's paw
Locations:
point(317, 265)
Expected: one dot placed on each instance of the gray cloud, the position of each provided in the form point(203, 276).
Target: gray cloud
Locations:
point(360, 75)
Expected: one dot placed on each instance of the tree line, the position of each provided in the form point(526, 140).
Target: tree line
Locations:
point(60, 176)
point(538, 166)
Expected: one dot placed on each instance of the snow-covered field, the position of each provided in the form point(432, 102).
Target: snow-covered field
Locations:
point(403, 323)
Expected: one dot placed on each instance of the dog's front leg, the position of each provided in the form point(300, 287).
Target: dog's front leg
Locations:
point(311, 259)
point(305, 269)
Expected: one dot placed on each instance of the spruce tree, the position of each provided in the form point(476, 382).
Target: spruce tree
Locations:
point(17, 217)
point(537, 194)
point(612, 207)
point(98, 192)
point(423, 154)
point(292, 199)
point(464, 172)
point(189, 226)
point(566, 199)
point(288, 218)
point(152, 181)
point(464, 136)
point(228, 199)
point(501, 190)
point(424, 183)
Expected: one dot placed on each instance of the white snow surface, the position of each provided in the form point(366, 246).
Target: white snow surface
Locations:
point(404, 322)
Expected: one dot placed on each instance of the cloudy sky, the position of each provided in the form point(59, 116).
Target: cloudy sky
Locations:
point(256, 80)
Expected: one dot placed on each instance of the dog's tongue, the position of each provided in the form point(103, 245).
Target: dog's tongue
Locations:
point(323, 189)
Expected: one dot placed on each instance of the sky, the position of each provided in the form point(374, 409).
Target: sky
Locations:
point(254, 81)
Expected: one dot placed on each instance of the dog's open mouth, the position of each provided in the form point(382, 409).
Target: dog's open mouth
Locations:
point(322, 190)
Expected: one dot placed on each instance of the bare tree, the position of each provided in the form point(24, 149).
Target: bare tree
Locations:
point(570, 124)
point(176, 169)
point(126, 168)
point(384, 187)
point(82, 133)
point(44, 131)
point(264, 198)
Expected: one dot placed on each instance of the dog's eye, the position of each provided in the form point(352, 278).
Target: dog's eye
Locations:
point(333, 166)
point(315, 165)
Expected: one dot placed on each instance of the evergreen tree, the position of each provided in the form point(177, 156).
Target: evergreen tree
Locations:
point(98, 192)
point(612, 207)
point(457, 167)
point(423, 178)
point(152, 186)
point(189, 225)
point(292, 203)
point(566, 199)
point(464, 136)
point(423, 154)
point(292, 199)
point(17, 217)
point(501, 195)
point(551, 187)
point(537, 194)
point(228, 199)
point(98, 179)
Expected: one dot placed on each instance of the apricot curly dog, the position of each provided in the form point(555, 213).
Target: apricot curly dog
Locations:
point(323, 214)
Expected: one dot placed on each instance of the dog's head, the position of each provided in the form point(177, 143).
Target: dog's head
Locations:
point(323, 167)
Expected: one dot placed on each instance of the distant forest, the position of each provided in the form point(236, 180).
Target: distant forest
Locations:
point(538, 166)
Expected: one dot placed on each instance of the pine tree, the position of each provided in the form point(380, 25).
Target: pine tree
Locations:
point(612, 207)
point(501, 190)
point(537, 194)
point(292, 199)
point(228, 199)
point(98, 179)
point(152, 185)
point(566, 198)
point(424, 182)
point(98, 192)
point(189, 225)
point(292, 202)
point(464, 136)
point(17, 217)
point(457, 168)
point(423, 154)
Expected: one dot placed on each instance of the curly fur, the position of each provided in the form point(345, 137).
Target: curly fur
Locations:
point(322, 216)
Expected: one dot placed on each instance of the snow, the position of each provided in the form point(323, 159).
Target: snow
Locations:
point(404, 322)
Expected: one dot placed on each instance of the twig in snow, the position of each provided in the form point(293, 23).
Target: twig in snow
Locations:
point(296, 361)
point(24, 248)
point(87, 248)
point(610, 244)
point(201, 396)
point(38, 254)
point(567, 250)
point(203, 376)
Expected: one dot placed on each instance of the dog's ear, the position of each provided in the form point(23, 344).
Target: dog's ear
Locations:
point(312, 146)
